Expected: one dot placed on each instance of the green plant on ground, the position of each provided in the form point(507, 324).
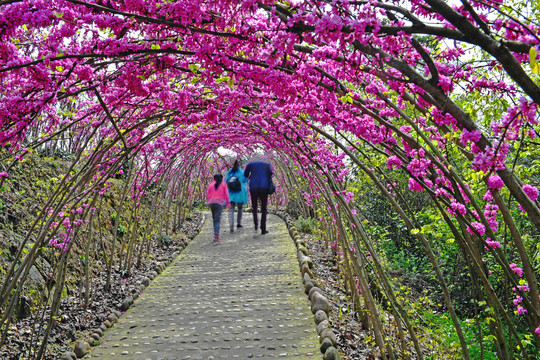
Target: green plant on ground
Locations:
point(166, 240)
point(306, 225)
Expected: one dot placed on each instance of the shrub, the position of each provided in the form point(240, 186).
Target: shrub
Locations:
point(306, 225)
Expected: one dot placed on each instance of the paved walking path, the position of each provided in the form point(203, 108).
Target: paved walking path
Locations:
point(242, 299)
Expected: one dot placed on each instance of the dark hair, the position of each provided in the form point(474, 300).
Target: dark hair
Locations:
point(235, 166)
point(219, 179)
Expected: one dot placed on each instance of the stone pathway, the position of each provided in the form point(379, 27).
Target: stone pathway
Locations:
point(242, 299)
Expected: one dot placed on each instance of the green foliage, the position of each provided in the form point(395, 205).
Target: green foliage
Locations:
point(306, 225)
point(165, 240)
point(200, 205)
point(121, 230)
point(439, 327)
point(97, 342)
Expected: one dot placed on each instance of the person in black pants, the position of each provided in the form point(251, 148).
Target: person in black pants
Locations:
point(259, 172)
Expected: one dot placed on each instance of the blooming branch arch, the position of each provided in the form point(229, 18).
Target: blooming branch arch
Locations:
point(160, 86)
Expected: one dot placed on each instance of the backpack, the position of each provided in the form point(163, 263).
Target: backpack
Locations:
point(234, 184)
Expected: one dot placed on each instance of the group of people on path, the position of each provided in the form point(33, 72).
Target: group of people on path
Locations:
point(233, 194)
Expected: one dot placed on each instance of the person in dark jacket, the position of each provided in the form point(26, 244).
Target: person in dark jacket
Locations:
point(259, 172)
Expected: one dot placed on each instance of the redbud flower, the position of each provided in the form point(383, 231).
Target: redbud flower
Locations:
point(531, 191)
point(394, 162)
point(516, 269)
point(493, 244)
point(480, 228)
point(495, 182)
point(415, 186)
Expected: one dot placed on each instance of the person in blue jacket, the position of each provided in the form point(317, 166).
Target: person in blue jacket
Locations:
point(238, 198)
point(259, 172)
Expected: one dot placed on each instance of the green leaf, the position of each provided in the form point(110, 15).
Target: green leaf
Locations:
point(194, 68)
point(346, 99)
point(222, 79)
point(535, 68)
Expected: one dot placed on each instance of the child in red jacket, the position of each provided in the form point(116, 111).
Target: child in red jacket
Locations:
point(217, 196)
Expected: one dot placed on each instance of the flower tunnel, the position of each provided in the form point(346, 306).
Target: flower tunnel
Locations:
point(413, 123)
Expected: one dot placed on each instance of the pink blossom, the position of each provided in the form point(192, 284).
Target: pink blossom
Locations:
point(414, 185)
point(517, 270)
point(495, 182)
point(521, 310)
point(348, 197)
point(493, 244)
point(480, 228)
point(394, 162)
point(537, 331)
point(491, 216)
point(419, 167)
point(518, 300)
point(467, 136)
point(4, 174)
point(460, 208)
point(531, 191)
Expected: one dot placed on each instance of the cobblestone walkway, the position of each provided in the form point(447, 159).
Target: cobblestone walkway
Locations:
point(242, 299)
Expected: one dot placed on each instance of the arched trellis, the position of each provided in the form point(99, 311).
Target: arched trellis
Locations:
point(278, 74)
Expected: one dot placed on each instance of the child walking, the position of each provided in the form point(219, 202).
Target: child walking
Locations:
point(217, 196)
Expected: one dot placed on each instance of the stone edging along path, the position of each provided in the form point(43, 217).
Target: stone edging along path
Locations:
point(320, 306)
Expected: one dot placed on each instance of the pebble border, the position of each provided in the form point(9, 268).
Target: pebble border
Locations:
point(320, 306)
point(82, 347)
